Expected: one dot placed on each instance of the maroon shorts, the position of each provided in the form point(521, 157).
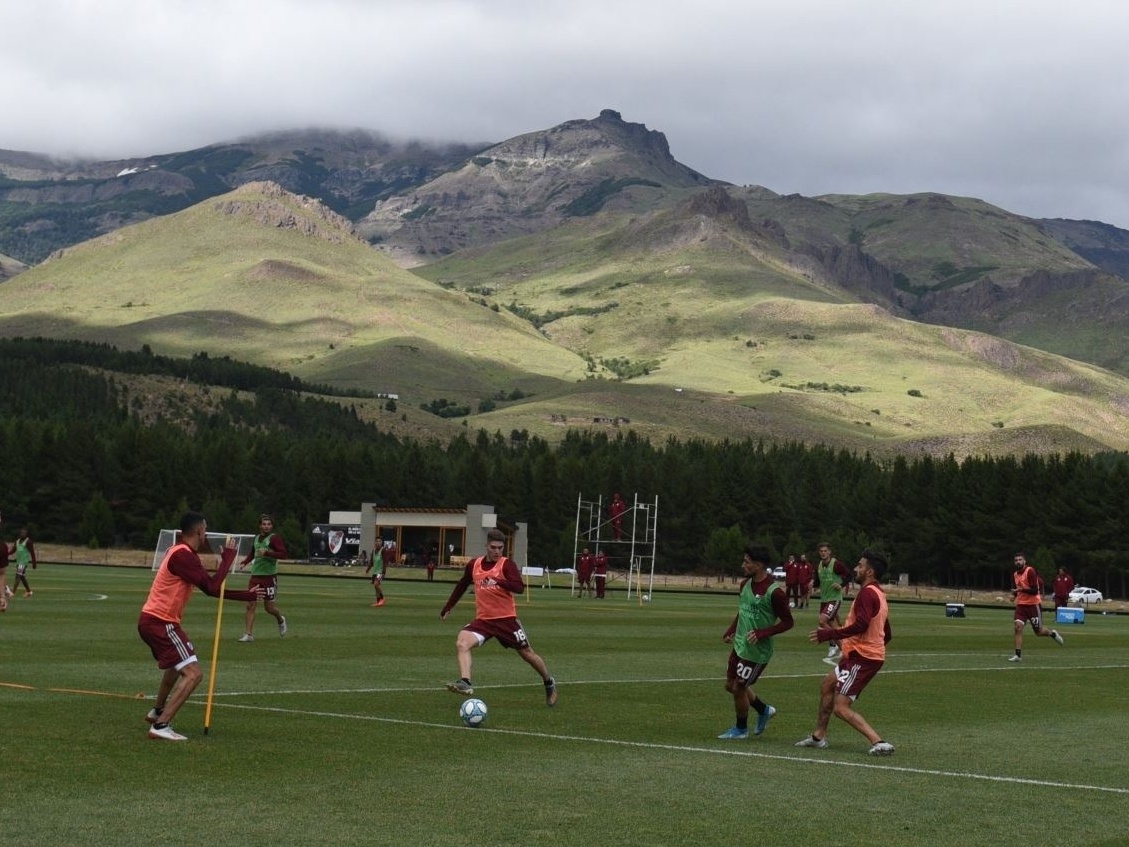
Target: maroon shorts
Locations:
point(1029, 613)
point(270, 583)
point(854, 673)
point(167, 641)
point(742, 670)
point(830, 609)
point(508, 631)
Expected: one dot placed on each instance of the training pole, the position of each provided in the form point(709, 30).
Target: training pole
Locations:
point(215, 659)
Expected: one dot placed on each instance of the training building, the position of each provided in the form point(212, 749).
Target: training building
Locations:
point(446, 536)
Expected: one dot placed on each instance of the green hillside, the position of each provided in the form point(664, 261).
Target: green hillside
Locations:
point(693, 321)
point(270, 278)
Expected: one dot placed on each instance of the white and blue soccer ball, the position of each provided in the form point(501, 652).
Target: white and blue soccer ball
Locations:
point(473, 712)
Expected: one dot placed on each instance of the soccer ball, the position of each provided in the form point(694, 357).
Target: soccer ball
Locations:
point(646, 598)
point(473, 712)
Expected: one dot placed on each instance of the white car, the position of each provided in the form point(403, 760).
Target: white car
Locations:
point(779, 574)
point(1084, 595)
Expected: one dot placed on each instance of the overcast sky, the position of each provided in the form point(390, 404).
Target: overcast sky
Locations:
point(1023, 103)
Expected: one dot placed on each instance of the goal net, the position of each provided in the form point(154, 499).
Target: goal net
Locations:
point(216, 540)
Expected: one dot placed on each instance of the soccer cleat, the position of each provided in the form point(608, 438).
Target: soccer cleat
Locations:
point(812, 741)
point(153, 716)
point(833, 651)
point(1016, 659)
point(29, 594)
point(551, 693)
point(282, 627)
point(1058, 638)
point(246, 638)
point(374, 605)
point(881, 748)
point(379, 602)
point(762, 720)
point(734, 734)
point(166, 733)
point(461, 686)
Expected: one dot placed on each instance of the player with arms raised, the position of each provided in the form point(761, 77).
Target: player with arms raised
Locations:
point(496, 579)
point(159, 623)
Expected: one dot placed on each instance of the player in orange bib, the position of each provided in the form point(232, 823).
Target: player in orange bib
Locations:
point(159, 622)
point(863, 642)
point(496, 579)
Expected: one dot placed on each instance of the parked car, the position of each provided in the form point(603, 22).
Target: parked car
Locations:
point(779, 574)
point(1084, 595)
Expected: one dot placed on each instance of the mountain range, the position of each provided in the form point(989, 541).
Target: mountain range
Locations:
point(581, 276)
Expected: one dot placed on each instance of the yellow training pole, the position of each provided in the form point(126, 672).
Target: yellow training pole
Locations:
point(215, 658)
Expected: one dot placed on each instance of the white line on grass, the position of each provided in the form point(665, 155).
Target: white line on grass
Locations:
point(678, 748)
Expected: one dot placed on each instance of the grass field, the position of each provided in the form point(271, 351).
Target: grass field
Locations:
point(342, 733)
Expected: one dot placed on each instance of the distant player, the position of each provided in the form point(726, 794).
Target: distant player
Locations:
point(600, 573)
point(24, 551)
point(4, 590)
point(762, 612)
point(159, 622)
point(831, 575)
point(1028, 605)
point(376, 565)
point(267, 548)
point(496, 579)
point(584, 572)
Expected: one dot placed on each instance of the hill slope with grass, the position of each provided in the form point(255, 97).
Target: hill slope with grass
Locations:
point(692, 321)
point(268, 277)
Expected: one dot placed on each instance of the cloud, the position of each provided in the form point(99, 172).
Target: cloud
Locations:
point(1020, 103)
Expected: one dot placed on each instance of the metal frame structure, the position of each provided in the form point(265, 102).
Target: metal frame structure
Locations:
point(594, 529)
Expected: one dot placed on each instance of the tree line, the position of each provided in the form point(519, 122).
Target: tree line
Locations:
point(79, 466)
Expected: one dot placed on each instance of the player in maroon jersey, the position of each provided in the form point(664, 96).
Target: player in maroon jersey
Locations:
point(1028, 605)
point(863, 640)
point(496, 579)
point(615, 511)
point(159, 622)
point(1063, 585)
point(600, 573)
point(584, 572)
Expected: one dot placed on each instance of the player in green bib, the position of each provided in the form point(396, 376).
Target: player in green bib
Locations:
point(267, 548)
point(831, 576)
point(762, 612)
point(24, 551)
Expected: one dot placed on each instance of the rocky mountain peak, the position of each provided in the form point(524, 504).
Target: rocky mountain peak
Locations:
point(271, 205)
point(526, 184)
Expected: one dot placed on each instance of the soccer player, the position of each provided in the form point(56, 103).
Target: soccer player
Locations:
point(24, 551)
point(4, 590)
point(267, 549)
point(830, 575)
point(1028, 605)
point(762, 612)
point(376, 565)
point(584, 572)
point(159, 622)
point(1063, 585)
point(496, 579)
point(600, 573)
point(863, 641)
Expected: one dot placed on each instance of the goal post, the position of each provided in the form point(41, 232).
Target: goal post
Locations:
point(216, 541)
